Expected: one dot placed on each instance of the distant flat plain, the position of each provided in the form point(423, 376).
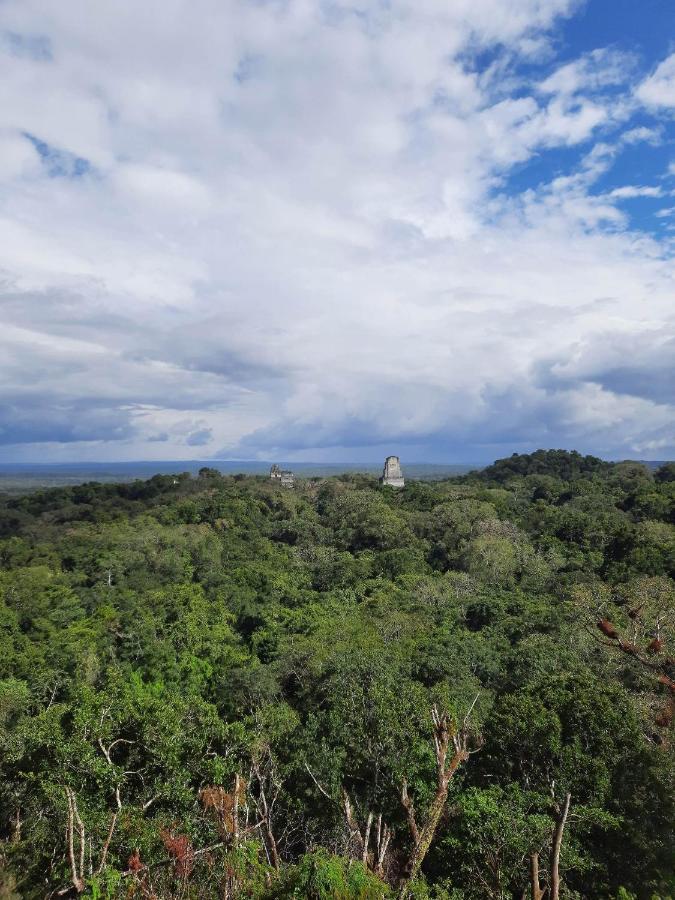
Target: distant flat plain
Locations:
point(18, 478)
point(21, 478)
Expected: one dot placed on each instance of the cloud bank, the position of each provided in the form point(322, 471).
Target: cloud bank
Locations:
point(315, 230)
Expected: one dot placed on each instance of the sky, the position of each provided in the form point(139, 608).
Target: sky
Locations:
point(329, 230)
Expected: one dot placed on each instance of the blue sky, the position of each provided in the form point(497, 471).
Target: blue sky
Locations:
point(333, 230)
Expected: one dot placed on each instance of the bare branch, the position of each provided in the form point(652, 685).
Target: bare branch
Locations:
point(108, 750)
point(366, 839)
point(323, 790)
point(469, 711)
point(148, 803)
point(106, 845)
point(410, 813)
point(352, 824)
point(77, 871)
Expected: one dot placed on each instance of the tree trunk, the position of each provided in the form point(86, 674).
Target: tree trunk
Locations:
point(16, 830)
point(445, 735)
point(537, 892)
point(426, 835)
point(235, 811)
point(555, 848)
point(272, 845)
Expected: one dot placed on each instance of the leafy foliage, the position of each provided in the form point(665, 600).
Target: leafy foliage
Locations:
point(213, 686)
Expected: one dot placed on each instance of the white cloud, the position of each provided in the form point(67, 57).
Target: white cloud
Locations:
point(18, 157)
point(659, 89)
point(601, 68)
point(298, 232)
point(178, 191)
point(629, 191)
point(642, 133)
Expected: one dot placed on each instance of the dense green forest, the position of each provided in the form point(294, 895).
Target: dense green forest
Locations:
point(215, 687)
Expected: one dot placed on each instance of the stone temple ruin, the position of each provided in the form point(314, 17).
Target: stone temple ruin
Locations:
point(284, 477)
point(392, 473)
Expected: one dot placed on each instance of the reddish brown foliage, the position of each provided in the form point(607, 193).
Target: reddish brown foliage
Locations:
point(665, 717)
point(182, 851)
point(655, 646)
point(663, 679)
point(134, 863)
point(224, 804)
point(608, 629)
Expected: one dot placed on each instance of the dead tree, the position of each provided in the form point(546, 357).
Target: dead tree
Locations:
point(76, 858)
point(555, 847)
point(650, 652)
point(265, 787)
point(75, 826)
point(646, 610)
point(227, 807)
point(382, 838)
point(76, 840)
point(554, 856)
point(649, 606)
point(76, 833)
point(361, 837)
point(451, 747)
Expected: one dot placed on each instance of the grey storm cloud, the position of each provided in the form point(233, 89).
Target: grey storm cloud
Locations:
point(199, 438)
point(635, 365)
point(290, 228)
point(36, 422)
